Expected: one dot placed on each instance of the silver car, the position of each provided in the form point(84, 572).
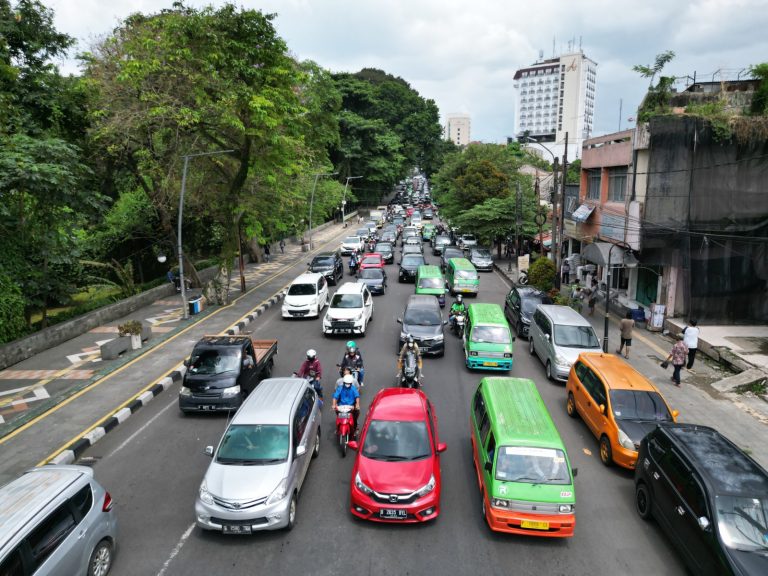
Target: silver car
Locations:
point(262, 460)
point(57, 520)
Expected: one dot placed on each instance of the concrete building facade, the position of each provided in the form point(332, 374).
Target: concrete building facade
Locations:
point(458, 129)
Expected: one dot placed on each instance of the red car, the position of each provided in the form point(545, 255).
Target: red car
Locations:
point(372, 260)
point(396, 475)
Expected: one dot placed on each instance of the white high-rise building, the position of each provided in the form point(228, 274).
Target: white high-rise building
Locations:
point(556, 96)
point(457, 129)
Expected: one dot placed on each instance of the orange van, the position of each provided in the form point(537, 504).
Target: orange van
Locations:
point(617, 403)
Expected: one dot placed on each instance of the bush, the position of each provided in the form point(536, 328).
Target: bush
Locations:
point(12, 322)
point(541, 274)
point(132, 327)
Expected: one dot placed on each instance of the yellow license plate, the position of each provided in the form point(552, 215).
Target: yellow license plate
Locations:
point(534, 525)
point(490, 363)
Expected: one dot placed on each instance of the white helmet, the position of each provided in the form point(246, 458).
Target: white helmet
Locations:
point(311, 354)
point(348, 379)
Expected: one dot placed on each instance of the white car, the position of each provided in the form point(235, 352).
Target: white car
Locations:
point(352, 244)
point(467, 241)
point(350, 310)
point(306, 296)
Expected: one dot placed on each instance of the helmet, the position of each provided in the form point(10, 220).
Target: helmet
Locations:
point(351, 346)
point(311, 354)
point(459, 298)
point(348, 379)
point(409, 341)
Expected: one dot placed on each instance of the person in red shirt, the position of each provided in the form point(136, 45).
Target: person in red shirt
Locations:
point(312, 370)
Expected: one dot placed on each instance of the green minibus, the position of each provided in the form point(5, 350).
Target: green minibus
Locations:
point(522, 467)
point(487, 338)
point(429, 280)
point(462, 276)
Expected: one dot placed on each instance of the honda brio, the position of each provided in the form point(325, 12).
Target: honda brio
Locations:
point(396, 475)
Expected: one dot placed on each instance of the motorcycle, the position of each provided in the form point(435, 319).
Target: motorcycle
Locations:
point(371, 246)
point(409, 376)
point(353, 266)
point(522, 278)
point(314, 382)
point(458, 324)
point(345, 425)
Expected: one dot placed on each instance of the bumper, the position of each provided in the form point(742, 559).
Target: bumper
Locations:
point(463, 289)
point(480, 363)
point(483, 267)
point(525, 330)
point(348, 251)
point(356, 329)
point(560, 373)
point(405, 275)
point(431, 348)
point(623, 457)
point(376, 289)
point(422, 510)
point(209, 403)
point(213, 517)
point(300, 312)
point(560, 525)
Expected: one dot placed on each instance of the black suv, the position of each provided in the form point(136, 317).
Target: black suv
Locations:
point(708, 496)
point(330, 265)
point(409, 265)
point(520, 305)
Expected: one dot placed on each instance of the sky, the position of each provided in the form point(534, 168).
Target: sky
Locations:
point(463, 54)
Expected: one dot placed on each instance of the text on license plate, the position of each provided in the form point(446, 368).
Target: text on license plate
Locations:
point(206, 407)
point(535, 525)
point(235, 529)
point(490, 363)
point(393, 514)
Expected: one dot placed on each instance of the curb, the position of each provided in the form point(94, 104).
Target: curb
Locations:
point(261, 309)
point(501, 272)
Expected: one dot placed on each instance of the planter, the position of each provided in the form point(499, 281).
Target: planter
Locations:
point(135, 341)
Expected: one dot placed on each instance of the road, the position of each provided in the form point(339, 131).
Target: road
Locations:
point(153, 464)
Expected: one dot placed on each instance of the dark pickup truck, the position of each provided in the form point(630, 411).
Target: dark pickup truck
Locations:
point(223, 370)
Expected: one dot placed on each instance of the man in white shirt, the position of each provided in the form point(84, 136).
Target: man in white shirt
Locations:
point(691, 339)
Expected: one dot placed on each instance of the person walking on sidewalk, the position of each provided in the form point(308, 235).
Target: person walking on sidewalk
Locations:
point(282, 245)
point(592, 294)
point(566, 272)
point(266, 253)
point(626, 326)
point(678, 356)
point(691, 339)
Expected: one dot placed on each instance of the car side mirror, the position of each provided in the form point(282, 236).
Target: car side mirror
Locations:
point(208, 451)
point(546, 336)
point(301, 450)
point(442, 447)
point(352, 445)
point(575, 472)
point(703, 522)
point(675, 414)
point(488, 467)
point(186, 362)
point(602, 408)
point(399, 320)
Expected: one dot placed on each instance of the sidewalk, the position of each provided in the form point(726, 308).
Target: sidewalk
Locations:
point(700, 399)
point(55, 395)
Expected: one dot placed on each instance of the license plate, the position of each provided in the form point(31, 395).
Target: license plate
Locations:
point(234, 529)
point(206, 407)
point(393, 514)
point(490, 363)
point(534, 525)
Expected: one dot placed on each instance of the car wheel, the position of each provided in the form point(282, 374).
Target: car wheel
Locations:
point(316, 450)
point(519, 329)
point(101, 559)
point(549, 370)
point(606, 457)
point(643, 501)
point(570, 406)
point(530, 345)
point(291, 514)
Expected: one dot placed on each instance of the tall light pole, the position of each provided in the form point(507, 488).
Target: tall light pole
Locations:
point(629, 263)
point(181, 211)
point(344, 199)
point(312, 204)
point(554, 187)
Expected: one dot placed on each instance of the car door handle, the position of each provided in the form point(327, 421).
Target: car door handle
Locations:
point(82, 533)
point(655, 475)
point(680, 510)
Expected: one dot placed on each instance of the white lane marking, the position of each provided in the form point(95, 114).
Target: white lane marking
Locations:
point(176, 549)
point(140, 430)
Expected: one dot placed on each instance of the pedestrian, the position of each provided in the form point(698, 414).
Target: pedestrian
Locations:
point(592, 295)
point(566, 272)
point(282, 245)
point(266, 252)
point(691, 339)
point(678, 356)
point(626, 325)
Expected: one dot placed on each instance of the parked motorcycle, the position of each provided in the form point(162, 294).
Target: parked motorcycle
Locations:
point(522, 277)
point(344, 426)
point(409, 375)
point(458, 324)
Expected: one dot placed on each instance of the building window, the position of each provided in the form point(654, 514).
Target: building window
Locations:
point(593, 184)
point(617, 184)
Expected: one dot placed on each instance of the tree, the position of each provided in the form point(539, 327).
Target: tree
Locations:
point(759, 104)
point(541, 274)
point(657, 99)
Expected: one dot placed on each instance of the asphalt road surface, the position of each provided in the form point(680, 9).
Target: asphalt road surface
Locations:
point(153, 464)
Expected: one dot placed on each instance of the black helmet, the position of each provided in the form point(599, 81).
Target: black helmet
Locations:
point(459, 298)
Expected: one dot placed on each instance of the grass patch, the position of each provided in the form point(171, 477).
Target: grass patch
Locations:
point(759, 387)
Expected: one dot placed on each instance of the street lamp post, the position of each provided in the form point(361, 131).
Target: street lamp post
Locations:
point(178, 233)
point(344, 199)
point(312, 203)
point(554, 197)
point(630, 264)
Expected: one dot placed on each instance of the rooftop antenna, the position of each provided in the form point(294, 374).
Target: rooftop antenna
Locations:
point(580, 50)
point(541, 54)
point(553, 46)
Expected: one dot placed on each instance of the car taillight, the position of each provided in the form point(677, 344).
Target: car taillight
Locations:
point(107, 505)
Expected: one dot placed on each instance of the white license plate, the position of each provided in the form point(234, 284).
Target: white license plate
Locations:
point(234, 529)
point(206, 407)
point(393, 514)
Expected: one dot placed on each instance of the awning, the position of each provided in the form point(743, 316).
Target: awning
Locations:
point(597, 253)
point(582, 213)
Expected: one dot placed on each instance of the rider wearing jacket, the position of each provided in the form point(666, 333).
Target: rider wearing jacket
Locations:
point(458, 307)
point(409, 345)
point(347, 395)
point(353, 360)
point(313, 370)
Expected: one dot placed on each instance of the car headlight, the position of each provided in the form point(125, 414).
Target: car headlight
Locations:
point(472, 353)
point(439, 338)
point(361, 486)
point(185, 391)
point(359, 317)
point(231, 391)
point(565, 508)
point(279, 492)
point(625, 440)
point(500, 503)
point(561, 360)
point(427, 488)
point(507, 355)
point(205, 496)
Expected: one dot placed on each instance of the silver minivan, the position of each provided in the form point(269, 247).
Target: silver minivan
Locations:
point(56, 520)
point(557, 335)
point(262, 460)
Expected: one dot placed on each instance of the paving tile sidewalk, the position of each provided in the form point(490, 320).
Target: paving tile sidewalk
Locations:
point(743, 419)
point(57, 375)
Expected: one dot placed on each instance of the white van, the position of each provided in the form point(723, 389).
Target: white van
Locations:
point(306, 296)
point(557, 335)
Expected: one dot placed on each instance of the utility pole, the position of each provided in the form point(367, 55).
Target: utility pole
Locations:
point(561, 217)
point(517, 220)
point(555, 192)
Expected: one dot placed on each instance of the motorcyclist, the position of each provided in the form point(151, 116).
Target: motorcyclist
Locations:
point(458, 307)
point(409, 346)
point(344, 372)
point(353, 262)
point(347, 395)
point(312, 370)
point(353, 360)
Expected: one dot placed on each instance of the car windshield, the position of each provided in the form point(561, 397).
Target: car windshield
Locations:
point(529, 304)
point(213, 362)
point(442, 240)
point(491, 334)
point(323, 261)
point(452, 253)
point(347, 301)
point(466, 274)
point(422, 316)
point(254, 444)
point(351, 239)
point(431, 283)
point(638, 405)
point(368, 260)
point(576, 337)
point(532, 465)
point(383, 247)
point(742, 521)
point(481, 254)
point(371, 273)
point(362, 232)
point(391, 440)
point(413, 260)
point(301, 290)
